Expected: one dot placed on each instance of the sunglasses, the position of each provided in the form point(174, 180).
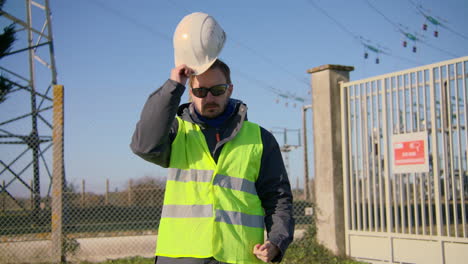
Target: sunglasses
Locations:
point(216, 90)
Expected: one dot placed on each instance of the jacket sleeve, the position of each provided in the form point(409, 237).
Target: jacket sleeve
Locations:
point(274, 190)
point(157, 126)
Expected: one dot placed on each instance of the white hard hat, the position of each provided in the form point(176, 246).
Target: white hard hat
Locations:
point(198, 40)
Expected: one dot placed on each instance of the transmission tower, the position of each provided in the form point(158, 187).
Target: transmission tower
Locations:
point(26, 119)
point(286, 148)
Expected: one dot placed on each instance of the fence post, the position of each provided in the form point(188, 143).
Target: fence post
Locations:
point(3, 196)
point(107, 192)
point(31, 195)
point(130, 192)
point(328, 165)
point(58, 176)
point(83, 193)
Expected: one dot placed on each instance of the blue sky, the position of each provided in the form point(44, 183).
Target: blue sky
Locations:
point(112, 54)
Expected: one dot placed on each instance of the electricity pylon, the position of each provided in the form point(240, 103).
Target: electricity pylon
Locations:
point(286, 148)
point(26, 119)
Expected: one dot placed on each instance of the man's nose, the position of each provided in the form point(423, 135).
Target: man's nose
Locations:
point(210, 97)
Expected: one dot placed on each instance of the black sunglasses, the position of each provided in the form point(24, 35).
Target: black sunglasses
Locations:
point(216, 90)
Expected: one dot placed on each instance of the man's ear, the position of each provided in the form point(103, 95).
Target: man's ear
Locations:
point(190, 95)
point(230, 89)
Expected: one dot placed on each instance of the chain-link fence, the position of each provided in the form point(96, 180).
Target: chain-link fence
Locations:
point(96, 227)
point(42, 217)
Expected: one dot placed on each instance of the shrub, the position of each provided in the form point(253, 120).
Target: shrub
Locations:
point(308, 250)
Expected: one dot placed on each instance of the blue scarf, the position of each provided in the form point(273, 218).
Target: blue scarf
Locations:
point(219, 120)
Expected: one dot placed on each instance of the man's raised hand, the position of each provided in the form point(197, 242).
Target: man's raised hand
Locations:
point(181, 74)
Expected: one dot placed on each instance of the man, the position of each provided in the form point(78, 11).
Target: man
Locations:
point(226, 181)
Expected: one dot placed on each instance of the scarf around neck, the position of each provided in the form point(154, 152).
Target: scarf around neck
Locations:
point(219, 120)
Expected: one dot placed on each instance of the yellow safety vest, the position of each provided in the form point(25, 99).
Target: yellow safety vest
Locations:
point(212, 209)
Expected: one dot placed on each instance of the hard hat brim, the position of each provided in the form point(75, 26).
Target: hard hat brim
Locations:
point(198, 41)
point(196, 67)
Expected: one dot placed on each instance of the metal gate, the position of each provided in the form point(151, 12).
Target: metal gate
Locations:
point(405, 165)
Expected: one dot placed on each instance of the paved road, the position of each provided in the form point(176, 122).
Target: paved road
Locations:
point(91, 249)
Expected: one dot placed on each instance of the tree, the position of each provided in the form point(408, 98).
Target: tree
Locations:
point(7, 38)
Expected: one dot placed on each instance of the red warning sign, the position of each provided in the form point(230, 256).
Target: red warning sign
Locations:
point(409, 152)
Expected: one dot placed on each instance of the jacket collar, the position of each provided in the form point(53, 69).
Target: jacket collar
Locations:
point(187, 112)
point(231, 126)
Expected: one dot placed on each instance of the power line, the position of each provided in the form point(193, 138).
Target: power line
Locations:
point(382, 14)
point(131, 20)
point(271, 62)
point(357, 37)
point(405, 33)
point(457, 33)
point(332, 19)
point(285, 95)
point(422, 11)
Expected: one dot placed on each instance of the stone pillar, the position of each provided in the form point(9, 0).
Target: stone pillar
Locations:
point(328, 155)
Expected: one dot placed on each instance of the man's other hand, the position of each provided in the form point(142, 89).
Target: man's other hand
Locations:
point(266, 252)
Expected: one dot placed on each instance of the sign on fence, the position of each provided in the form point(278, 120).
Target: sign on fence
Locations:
point(410, 152)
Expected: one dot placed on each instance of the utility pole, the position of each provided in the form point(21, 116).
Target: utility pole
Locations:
point(307, 189)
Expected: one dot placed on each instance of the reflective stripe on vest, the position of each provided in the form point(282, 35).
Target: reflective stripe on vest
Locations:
point(190, 175)
point(211, 209)
point(224, 181)
point(187, 211)
point(235, 184)
point(229, 217)
point(238, 218)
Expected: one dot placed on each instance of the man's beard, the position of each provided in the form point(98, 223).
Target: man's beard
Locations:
point(211, 108)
